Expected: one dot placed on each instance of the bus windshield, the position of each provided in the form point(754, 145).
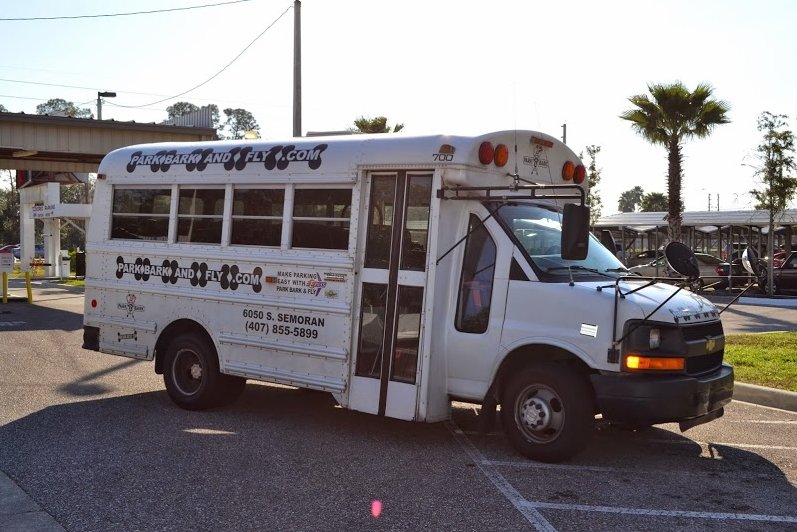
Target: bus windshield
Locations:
point(538, 231)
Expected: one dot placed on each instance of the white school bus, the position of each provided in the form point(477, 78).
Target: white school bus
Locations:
point(398, 273)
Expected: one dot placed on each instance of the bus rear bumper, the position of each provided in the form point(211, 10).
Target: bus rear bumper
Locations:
point(91, 338)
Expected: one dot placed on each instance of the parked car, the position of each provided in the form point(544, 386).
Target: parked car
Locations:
point(784, 277)
point(38, 251)
point(659, 268)
point(734, 251)
point(644, 257)
point(778, 257)
point(739, 276)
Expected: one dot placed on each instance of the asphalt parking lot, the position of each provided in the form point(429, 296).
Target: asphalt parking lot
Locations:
point(92, 442)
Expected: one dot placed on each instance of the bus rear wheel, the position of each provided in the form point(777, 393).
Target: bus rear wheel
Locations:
point(191, 374)
point(547, 413)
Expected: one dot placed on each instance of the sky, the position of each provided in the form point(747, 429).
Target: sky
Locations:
point(455, 67)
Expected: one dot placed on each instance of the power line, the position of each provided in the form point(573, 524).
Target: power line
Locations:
point(217, 73)
point(149, 94)
point(84, 88)
point(49, 84)
point(27, 19)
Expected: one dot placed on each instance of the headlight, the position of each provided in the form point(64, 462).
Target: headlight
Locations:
point(655, 338)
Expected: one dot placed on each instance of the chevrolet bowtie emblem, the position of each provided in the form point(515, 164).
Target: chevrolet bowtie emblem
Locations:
point(711, 343)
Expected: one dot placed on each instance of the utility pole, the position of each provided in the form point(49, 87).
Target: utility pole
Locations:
point(100, 96)
point(297, 68)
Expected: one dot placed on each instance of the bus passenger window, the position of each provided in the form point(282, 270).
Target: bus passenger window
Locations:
point(257, 217)
point(140, 214)
point(476, 281)
point(198, 217)
point(321, 218)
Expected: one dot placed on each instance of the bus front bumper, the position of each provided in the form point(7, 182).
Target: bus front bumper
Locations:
point(648, 399)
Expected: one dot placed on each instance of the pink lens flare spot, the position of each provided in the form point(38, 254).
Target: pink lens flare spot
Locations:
point(376, 508)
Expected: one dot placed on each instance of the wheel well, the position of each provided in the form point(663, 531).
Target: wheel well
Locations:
point(529, 355)
point(173, 330)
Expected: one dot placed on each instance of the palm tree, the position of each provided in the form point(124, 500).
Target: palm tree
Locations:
point(671, 117)
point(374, 125)
point(654, 202)
point(630, 199)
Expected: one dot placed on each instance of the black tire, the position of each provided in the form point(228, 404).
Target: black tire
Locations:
point(762, 286)
point(547, 412)
point(191, 373)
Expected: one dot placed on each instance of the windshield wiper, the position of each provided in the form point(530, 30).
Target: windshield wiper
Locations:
point(580, 269)
point(621, 269)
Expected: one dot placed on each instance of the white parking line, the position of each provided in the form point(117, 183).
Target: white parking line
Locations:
point(531, 514)
point(530, 509)
point(706, 444)
point(530, 464)
point(763, 422)
point(664, 513)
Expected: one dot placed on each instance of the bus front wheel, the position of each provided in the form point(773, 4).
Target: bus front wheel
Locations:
point(191, 373)
point(547, 412)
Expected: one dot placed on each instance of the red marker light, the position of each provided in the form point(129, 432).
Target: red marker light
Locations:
point(580, 174)
point(93, 303)
point(486, 152)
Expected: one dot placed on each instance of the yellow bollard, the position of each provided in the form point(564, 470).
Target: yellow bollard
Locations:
point(27, 284)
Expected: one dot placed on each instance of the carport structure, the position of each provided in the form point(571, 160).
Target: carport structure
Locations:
point(68, 145)
point(712, 232)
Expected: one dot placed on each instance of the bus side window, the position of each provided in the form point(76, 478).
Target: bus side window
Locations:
point(321, 218)
point(257, 216)
point(140, 214)
point(476, 280)
point(197, 220)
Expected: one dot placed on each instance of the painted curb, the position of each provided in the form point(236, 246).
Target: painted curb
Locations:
point(761, 395)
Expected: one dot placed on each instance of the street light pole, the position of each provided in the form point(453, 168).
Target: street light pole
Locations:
point(100, 96)
point(297, 68)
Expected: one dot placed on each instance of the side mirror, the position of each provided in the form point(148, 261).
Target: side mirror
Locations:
point(750, 261)
point(575, 232)
point(682, 260)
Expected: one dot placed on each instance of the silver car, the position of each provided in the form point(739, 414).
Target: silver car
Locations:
point(659, 268)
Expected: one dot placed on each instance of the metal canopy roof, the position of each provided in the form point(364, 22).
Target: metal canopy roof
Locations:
point(646, 221)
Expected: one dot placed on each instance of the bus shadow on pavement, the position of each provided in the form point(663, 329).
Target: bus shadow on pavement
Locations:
point(22, 316)
point(279, 458)
point(616, 468)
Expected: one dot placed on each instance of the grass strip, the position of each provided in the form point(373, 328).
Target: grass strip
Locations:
point(765, 359)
